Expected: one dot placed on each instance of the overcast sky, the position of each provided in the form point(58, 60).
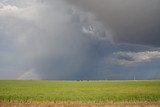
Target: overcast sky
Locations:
point(79, 39)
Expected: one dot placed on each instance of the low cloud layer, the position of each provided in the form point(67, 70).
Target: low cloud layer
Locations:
point(127, 58)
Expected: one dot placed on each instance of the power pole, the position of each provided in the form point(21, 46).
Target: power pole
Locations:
point(134, 77)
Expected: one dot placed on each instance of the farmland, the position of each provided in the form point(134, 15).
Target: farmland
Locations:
point(79, 91)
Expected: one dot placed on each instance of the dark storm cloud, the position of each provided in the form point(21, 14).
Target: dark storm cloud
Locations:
point(133, 21)
point(56, 41)
point(49, 39)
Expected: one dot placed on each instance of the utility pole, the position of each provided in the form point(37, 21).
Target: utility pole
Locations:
point(134, 77)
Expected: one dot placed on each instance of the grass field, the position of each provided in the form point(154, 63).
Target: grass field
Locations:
point(80, 91)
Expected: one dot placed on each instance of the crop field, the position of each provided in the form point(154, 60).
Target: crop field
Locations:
point(79, 91)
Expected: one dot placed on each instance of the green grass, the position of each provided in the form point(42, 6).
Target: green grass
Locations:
point(85, 91)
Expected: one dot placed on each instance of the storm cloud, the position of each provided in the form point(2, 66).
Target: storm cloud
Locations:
point(133, 21)
point(72, 40)
point(55, 41)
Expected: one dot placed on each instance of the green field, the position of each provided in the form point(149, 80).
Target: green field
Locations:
point(79, 91)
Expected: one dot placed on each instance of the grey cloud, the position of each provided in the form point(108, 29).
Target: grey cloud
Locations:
point(49, 39)
point(133, 21)
point(49, 36)
point(127, 58)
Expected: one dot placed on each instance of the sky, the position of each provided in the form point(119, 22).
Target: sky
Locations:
point(79, 39)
